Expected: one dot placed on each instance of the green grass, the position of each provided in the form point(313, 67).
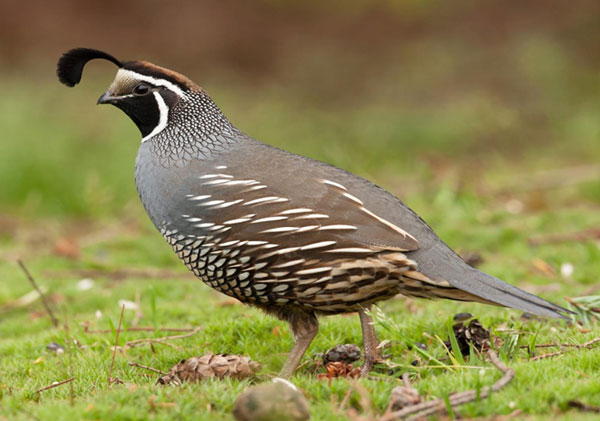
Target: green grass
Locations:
point(461, 164)
point(540, 388)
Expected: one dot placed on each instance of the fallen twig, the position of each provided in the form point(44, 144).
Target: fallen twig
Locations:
point(439, 405)
point(112, 363)
point(142, 329)
point(552, 346)
point(552, 179)
point(583, 235)
point(55, 384)
point(138, 310)
point(118, 275)
point(37, 288)
point(163, 340)
point(145, 367)
point(583, 407)
point(588, 344)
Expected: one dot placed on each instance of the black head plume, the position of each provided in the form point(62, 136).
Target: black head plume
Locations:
point(70, 65)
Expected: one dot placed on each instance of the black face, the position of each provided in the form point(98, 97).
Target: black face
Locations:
point(141, 104)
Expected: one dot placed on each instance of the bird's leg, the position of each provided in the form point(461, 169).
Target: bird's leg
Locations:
point(304, 331)
point(372, 353)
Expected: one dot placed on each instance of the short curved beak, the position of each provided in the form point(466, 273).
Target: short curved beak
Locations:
point(106, 98)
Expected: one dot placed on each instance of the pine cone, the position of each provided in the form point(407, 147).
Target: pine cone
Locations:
point(196, 369)
point(403, 396)
point(472, 333)
point(347, 353)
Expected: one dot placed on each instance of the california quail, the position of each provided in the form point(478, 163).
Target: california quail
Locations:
point(296, 237)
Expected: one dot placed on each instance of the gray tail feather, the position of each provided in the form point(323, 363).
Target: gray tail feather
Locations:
point(493, 289)
point(440, 262)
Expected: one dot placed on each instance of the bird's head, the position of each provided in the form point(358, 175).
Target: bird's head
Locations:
point(144, 91)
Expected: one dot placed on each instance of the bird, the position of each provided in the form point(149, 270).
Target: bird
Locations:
point(293, 236)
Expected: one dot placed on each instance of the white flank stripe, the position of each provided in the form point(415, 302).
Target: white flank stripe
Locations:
point(216, 227)
point(353, 198)
point(202, 177)
point(312, 216)
point(388, 223)
point(194, 219)
point(337, 227)
point(256, 243)
point(313, 271)
point(270, 219)
point(211, 203)
point(308, 228)
point(318, 245)
point(288, 250)
point(255, 188)
point(215, 182)
point(288, 264)
point(221, 167)
point(204, 225)
point(279, 229)
point(350, 250)
point(334, 184)
point(227, 204)
point(274, 199)
point(206, 196)
point(236, 221)
point(163, 111)
point(241, 183)
point(229, 243)
point(294, 211)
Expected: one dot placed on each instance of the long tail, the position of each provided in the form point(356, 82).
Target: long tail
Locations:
point(440, 263)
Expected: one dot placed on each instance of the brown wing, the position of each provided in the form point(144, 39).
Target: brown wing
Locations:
point(329, 220)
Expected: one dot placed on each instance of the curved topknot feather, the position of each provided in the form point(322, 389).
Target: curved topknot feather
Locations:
point(70, 65)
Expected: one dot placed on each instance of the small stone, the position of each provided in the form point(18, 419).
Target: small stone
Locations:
point(403, 396)
point(54, 347)
point(421, 346)
point(279, 400)
point(461, 317)
point(347, 353)
point(85, 284)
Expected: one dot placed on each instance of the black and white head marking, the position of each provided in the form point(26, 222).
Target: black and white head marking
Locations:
point(150, 109)
point(144, 91)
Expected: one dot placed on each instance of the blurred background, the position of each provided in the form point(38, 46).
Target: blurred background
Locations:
point(470, 111)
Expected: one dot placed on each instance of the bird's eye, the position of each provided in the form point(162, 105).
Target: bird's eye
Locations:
point(141, 89)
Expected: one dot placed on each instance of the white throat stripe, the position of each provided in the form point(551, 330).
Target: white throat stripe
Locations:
point(154, 81)
point(163, 110)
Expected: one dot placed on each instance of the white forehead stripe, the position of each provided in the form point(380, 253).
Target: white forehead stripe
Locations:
point(153, 80)
point(163, 110)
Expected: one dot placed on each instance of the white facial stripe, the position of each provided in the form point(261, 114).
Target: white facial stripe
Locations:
point(163, 110)
point(154, 81)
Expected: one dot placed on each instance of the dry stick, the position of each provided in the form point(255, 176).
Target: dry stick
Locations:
point(406, 380)
point(347, 396)
point(134, 343)
point(583, 235)
point(37, 288)
point(588, 344)
point(53, 385)
point(552, 346)
point(138, 310)
point(144, 329)
point(112, 363)
point(438, 405)
point(145, 367)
